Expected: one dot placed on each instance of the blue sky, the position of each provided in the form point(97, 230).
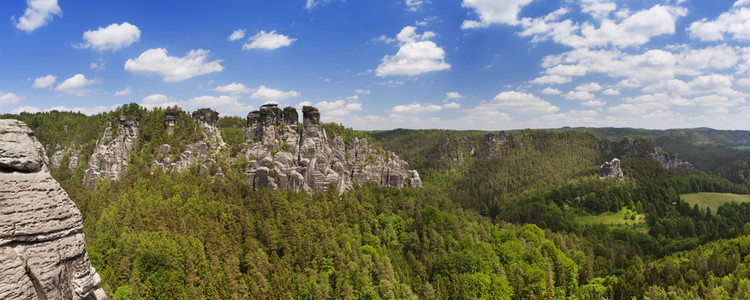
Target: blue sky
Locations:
point(463, 64)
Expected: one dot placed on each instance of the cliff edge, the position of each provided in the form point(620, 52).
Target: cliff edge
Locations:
point(42, 247)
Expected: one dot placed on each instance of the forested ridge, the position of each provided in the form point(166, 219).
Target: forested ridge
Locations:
point(497, 218)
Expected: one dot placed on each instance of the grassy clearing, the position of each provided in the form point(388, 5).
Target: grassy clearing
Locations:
point(624, 217)
point(713, 200)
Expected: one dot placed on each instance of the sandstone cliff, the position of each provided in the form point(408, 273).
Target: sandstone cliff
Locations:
point(611, 170)
point(110, 158)
point(668, 161)
point(197, 153)
point(72, 151)
point(282, 154)
point(42, 247)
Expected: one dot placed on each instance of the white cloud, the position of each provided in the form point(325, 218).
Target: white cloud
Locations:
point(597, 8)
point(551, 91)
point(589, 87)
point(113, 37)
point(390, 83)
point(9, 98)
point(735, 22)
point(28, 109)
point(362, 92)
point(579, 95)
point(595, 102)
point(416, 55)
point(266, 93)
point(453, 95)
point(310, 4)
point(416, 108)
point(332, 109)
point(236, 35)
point(693, 61)
point(493, 12)
point(44, 82)
point(567, 70)
point(520, 102)
point(233, 88)
point(611, 92)
point(743, 82)
point(124, 92)
point(76, 85)
point(172, 68)
point(551, 79)
point(268, 41)
point(227, 105)
point(37, 14)
point(414, 5)
point(635, 30)
point(98, 65)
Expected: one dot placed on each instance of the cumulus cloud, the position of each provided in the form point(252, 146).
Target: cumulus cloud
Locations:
point(362, 92)
point(266, 93)
point(579, 95)
point(233, 88)
point(76, 85)
point(416, 55)
point(227, 105)
point(236, 35)
point(113, 37)
point(453, 95)
point(735, 22)
point(268, 41)
point(634, 30)
point(611, 92)
point(124, 92)
point(28, 109)
point(551, 91)
point(172, 68)
point(338, 108)
point(44, 82)
point(517, 101)
point(9, 98)
point(589, 87)
point(493, 12)
point(416, 108)
point(37, 14)
point(414, 5)
point(551, 79)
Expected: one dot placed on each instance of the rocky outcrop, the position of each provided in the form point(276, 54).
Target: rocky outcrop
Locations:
point(668, 161)
point(71, 151)
point(42, 247)
point(284, 155)
point(170, 119)
point(198, 152)
point(611, 170)
point(110, 158)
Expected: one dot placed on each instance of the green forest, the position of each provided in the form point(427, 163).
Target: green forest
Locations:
point(513, 215)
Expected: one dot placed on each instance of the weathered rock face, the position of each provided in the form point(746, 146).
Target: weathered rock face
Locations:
point(611, 170)
point(668, 161)
point(196, 153)
point(72, 151)
point(42, 247)
point(282, 155)
point(170, 119)
point(110, 158)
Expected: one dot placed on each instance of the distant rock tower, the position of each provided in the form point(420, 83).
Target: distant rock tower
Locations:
point(611, 170)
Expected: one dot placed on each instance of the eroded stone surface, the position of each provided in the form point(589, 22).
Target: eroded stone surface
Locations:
point(110, 158)
point(611, 170)
point(42, 247)
point(283, 155)
point(668, 161)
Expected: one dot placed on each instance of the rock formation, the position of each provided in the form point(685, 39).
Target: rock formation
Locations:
point(284, 155)
point(668, 161)
point(198, 152)
point(611, 170)
point(72, 151)
point(42, 247)
point(110, 158)
point(170, 119)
